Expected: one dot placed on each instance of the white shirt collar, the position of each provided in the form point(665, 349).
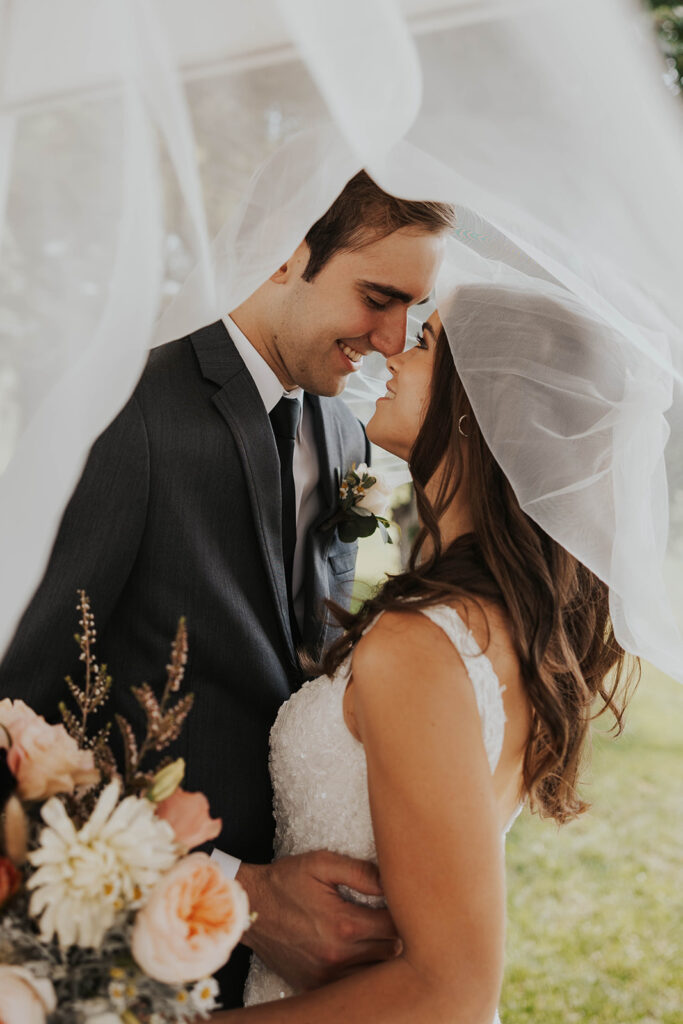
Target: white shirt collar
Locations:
point(269, 387)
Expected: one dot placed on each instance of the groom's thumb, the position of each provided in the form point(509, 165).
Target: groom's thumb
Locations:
point(360, 875)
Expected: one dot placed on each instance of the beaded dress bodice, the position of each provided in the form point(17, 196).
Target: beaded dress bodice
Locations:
point(319, 772)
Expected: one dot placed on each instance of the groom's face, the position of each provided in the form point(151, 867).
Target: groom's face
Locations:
point(356, 304)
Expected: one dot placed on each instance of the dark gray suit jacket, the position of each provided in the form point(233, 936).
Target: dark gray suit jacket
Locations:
point(178, 513)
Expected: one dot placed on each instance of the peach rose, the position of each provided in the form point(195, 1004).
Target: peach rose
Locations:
point(44, 759)
point(191, 922)
point(23, 998)
point(188, 815)
point(10, 880)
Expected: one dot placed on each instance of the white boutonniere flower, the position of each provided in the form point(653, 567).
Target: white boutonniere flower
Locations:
point(363, 505)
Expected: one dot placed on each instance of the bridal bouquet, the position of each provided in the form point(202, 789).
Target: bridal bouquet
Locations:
point(105, 914)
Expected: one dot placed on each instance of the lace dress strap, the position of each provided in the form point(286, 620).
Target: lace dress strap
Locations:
point(487, 688)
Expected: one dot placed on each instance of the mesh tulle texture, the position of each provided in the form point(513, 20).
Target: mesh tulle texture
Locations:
point(132, 131)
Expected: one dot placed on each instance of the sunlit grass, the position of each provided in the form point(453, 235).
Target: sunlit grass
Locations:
point(595, 909)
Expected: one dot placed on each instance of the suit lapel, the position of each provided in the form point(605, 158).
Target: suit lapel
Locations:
point(239, 403)
point(329, 444)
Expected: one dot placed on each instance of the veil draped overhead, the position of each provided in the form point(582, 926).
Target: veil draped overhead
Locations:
point(134, 131)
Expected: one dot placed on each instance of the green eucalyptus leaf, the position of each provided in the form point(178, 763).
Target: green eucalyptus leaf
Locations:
point(348, 532)
point(366, 526)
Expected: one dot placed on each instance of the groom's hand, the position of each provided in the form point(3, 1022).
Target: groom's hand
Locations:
point(305, 931)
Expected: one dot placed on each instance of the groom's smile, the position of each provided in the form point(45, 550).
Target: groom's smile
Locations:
point(355, 358)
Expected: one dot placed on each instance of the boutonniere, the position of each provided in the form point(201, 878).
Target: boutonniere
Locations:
point(363, 504)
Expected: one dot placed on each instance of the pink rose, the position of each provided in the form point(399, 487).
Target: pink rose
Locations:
point(190, 924)
point(23, 998)
point(188, 815)
point(44, 759)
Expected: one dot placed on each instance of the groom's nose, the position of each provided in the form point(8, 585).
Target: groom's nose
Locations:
point(389, 336)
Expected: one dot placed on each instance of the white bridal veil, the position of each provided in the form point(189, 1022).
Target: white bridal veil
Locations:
point(131, 132)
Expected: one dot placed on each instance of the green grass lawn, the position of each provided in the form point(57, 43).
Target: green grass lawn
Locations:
point(595, 908)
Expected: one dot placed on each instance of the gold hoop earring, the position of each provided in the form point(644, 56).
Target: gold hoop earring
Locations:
point(460, 430)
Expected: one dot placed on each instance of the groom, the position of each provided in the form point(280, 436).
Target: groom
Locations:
point(205, 498)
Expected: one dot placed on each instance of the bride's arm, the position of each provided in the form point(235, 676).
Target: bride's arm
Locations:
point(438, 840)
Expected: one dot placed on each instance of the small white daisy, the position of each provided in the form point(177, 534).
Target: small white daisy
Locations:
point(204, 994)
point(117, 994)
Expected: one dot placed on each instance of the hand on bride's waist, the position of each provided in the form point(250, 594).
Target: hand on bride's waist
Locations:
point(306, 930)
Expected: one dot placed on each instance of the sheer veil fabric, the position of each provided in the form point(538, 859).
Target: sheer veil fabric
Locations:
point(133, 131)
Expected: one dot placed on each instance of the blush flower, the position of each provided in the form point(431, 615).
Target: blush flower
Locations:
point(23, 998)
point(190, 923)
point(377, 496)
point(44, 759)
point(188, 815)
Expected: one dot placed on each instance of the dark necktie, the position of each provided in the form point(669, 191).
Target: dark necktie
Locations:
point(284, 419)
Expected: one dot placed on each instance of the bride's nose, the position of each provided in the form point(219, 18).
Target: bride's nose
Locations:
point(392, 363)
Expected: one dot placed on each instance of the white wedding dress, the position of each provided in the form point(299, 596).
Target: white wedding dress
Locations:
point(320, 779)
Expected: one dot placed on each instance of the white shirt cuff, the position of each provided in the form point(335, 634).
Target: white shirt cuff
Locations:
point(228, 865)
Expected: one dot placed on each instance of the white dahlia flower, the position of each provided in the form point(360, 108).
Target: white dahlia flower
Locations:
point(86, 877)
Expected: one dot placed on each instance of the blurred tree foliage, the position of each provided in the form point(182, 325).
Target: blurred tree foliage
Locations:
point(669, 23)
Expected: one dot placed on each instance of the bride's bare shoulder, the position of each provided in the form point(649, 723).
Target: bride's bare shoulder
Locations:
point(409, 632)
point(403, 643)
point(399, 644)
point(396, 632)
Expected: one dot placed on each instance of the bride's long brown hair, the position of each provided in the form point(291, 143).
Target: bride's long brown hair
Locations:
point(558, 611)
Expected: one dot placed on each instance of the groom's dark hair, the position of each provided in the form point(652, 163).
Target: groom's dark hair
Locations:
point(364, 213)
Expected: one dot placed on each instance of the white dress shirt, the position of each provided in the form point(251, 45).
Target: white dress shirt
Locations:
point(306, 474)
point(305, 463)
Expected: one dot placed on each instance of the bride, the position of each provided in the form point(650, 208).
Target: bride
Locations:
point(463, 688)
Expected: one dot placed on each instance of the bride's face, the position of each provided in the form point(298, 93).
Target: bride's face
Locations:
point(399, 413)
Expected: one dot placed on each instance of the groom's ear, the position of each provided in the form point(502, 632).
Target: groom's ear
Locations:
point(293, 267)
point(282, 274)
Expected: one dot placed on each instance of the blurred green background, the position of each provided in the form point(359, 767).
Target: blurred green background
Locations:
point(595, 908)
point(668, 21)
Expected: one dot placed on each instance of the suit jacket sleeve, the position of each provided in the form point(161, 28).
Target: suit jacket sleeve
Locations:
point(95, 549)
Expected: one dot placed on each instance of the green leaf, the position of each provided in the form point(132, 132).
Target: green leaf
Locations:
point(348, 532)
point(366, 525)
